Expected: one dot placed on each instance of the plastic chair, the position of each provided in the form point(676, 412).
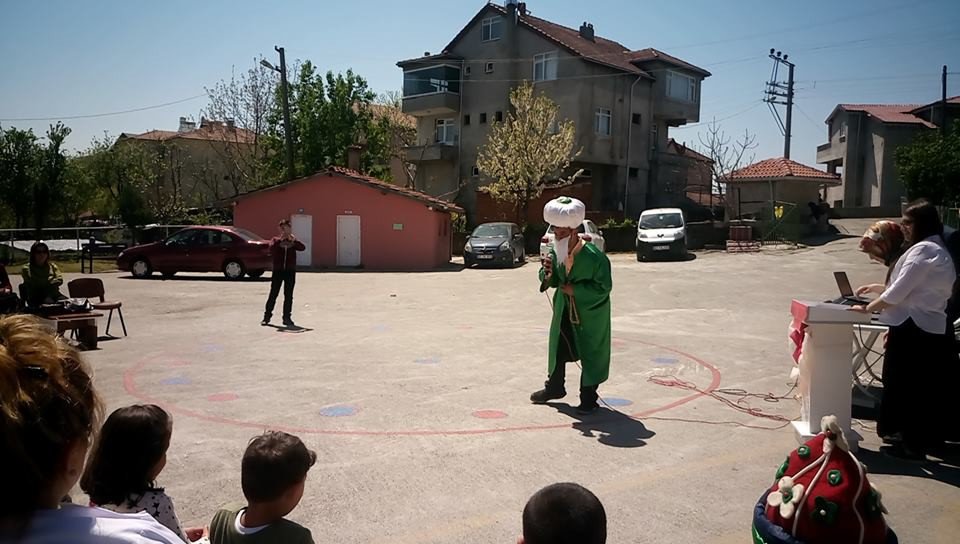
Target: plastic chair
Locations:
point(93, 288)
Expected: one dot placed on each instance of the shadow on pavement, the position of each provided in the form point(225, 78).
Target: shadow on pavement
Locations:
point(943, 464)
point(817, 241)
point(609, 427)
point(288, 330)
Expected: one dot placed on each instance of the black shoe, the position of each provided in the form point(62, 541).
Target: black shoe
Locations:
point(904, 453)
point(893, 439)
point(265, 322)
point(585, 409)
point(288, 323)
point(545, 395)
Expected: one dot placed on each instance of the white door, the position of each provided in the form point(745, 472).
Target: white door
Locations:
point(348, 240)
point(302, 226)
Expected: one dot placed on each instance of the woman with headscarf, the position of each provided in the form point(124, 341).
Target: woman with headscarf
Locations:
point(918, 352)
point(883, 243)
point(41, 278)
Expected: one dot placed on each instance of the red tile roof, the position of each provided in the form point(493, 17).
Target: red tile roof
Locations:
point(651, 54)
point(780, 169)
point(684, 151)
point(887, 113)
point(216, 131)
point(353, 175)
point(951, 100)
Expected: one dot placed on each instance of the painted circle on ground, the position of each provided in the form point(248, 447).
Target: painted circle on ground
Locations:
point(665, 360)
point(341, 410)
point(489, 414)
point(132, 388)
point(222, 397)
point(616, 401)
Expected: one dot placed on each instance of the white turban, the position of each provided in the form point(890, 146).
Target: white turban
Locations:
point(564, 212)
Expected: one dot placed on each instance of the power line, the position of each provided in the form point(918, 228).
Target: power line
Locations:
point(753, 106)
point(107, 114)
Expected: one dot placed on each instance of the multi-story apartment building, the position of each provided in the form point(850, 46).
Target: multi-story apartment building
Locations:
point(622, 101)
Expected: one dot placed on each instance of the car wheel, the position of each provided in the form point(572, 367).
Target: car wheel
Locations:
point(255, 273)
point(141, 268)
point(233, 269)
point(639, 256)
point(168, 275)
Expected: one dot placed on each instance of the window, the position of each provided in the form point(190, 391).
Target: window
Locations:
point(602, 123)
point(435, 79)
point(545, 66)
point(681, 87)
point(843, 132)
point(488, 68)
point(633, 171)
point(636, 119)
point(475, 171)
point(466, 71)
point(466, 119)
point(483, 118)
point(491, 29)
point(498, 116)
point(446, 131)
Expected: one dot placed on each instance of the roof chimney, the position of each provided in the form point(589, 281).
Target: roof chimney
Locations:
point(353, 157)
point(586, 31)
point(186, 125)
point(522, 8)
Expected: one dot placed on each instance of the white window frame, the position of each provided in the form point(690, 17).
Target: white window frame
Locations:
point(599, 116)
point(487, 27)
point(681, 87)
point(843, 132)
point(445, 131)
point(488, 68)
point(547, 65)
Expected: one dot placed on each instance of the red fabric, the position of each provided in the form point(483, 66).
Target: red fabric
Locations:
point(285, 258)
point(845, 527)
point(797, 332)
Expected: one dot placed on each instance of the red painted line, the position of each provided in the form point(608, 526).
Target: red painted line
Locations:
point(130, 385)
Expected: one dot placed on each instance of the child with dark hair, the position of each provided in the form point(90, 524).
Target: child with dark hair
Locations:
point(126, 460)
point(273, 475)
point(564, 513)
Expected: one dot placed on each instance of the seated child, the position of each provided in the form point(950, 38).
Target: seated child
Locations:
point(564, 513)
point(821, 495)
point(127, 458)
point(273, 475)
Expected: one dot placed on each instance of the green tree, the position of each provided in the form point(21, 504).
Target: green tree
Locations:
point(48, 189)
point(80, 192)
point(527, 152)
point(19, 162)
point(122, 172)
point(930, 166)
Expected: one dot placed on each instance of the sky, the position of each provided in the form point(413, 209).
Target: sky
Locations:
point(67, 58)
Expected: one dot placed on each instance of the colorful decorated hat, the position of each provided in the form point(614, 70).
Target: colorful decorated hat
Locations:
point(883, 239)
point(821, 495)
point(565, 212)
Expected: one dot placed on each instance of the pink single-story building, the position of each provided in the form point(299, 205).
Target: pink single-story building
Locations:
point(347, 219)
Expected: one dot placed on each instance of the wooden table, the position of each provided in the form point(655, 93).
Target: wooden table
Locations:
point(84, 323)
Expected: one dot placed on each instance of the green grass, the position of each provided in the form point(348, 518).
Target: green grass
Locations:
point(70, 267)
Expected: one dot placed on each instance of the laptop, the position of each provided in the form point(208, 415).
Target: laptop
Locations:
point(847, 298)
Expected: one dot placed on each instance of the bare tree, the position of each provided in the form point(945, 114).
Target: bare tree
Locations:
point(727, 154)
point(243, 103)
point(401, 132)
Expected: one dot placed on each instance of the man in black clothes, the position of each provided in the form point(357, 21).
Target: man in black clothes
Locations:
point(284, 250)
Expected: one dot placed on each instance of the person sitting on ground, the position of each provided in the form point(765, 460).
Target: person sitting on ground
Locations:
point(9, 303)
point(49, 412)
point(273, 475)
point(564, 513)
point(821, 495)
point(126, 460)
point(883, 243)
point(41, 278)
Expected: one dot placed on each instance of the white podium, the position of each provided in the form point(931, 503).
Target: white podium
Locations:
point(825, 381)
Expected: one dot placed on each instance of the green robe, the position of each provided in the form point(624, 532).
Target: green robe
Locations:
point(592, 283)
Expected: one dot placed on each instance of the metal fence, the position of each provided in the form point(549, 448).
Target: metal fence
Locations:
point(68, 242)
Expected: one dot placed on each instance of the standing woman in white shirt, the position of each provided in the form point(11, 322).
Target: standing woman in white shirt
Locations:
point(918, 351)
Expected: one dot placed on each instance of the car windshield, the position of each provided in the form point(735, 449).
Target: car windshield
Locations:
point(491, 231)
point(661, 221)
point(246, 235)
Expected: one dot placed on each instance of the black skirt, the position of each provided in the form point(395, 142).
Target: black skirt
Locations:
point(917, 366)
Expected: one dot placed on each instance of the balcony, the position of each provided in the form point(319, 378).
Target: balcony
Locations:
point(829, 152)
point(430, 152)
point(435, 103)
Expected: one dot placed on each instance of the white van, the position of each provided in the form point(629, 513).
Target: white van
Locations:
point(661, 232)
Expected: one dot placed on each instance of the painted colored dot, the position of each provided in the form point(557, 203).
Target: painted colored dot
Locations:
point(783, 468)
point(803, 452)
point(427, 361)
point(834, 477)
point(341, 410)
point(489, 414)
point(381, 328)
point(619, 344)
point(210, 348)
point(615, 401)
point(665, 360)
point(222, 397)
point(175, 380)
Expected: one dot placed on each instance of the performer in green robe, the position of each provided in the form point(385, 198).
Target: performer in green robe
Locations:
point(580, 329)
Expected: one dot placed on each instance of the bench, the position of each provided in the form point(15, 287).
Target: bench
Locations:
point(94, 249)
point(84, 324)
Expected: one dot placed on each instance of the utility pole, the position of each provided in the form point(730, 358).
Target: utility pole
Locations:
point(943, 100)
point(780, 93)
point(285, 98)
